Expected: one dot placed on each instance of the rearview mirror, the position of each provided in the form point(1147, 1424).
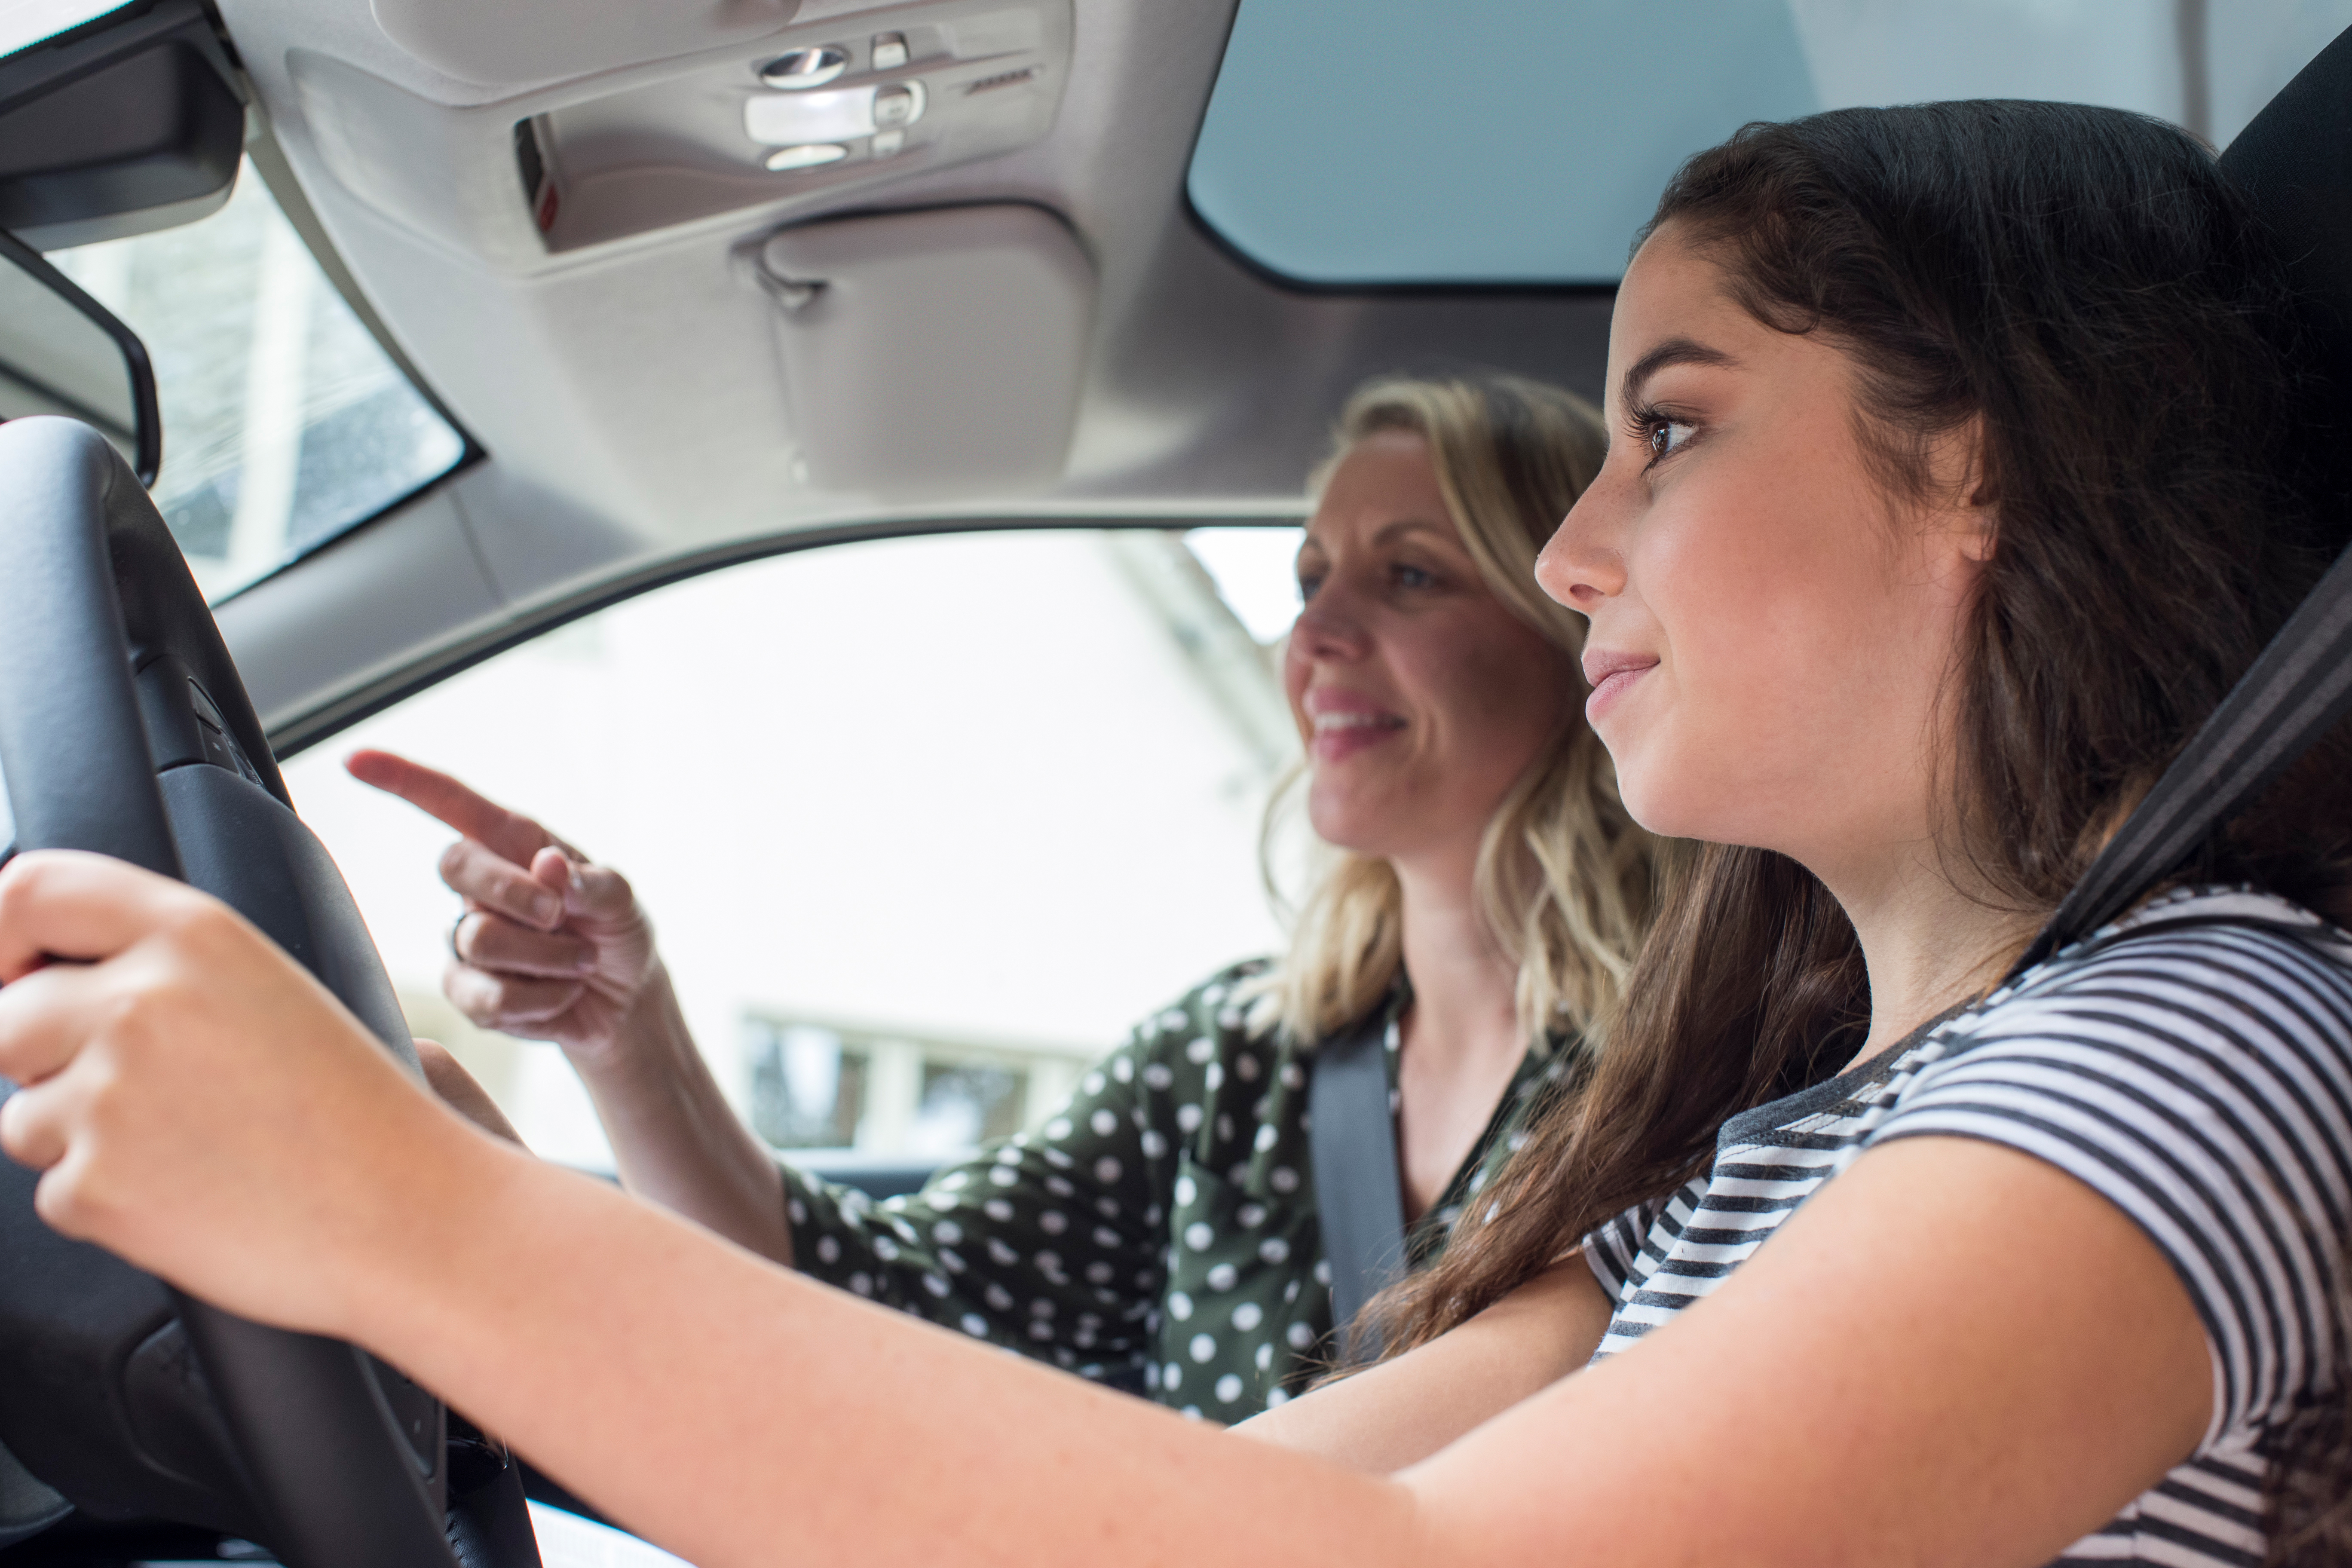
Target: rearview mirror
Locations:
point(61, 352)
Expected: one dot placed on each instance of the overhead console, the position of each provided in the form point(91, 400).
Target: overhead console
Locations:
point(863, 98)
point(801, 112)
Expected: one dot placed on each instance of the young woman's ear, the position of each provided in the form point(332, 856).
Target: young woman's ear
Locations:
point(1959, 460)
point(1979, 526)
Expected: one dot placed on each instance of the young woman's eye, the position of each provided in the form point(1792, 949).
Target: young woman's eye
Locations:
point(1308, 583)
point(1665, 437)
point(1415, 576)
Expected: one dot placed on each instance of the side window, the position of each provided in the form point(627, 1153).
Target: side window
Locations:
point(924, 825)
point(284, 422)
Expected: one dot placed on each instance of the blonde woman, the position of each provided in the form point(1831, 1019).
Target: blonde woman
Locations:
point(1482, 902)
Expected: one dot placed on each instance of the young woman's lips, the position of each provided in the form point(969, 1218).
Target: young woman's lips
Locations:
point(1612, 676)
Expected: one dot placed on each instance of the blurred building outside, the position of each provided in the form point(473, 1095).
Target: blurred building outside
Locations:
point(924, 824)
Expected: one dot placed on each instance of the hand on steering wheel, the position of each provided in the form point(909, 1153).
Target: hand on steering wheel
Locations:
point(552, 946)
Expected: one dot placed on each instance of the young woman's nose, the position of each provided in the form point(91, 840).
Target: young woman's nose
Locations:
point(1581, 564)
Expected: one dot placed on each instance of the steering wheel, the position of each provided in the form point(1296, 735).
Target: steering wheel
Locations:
point(124, 729)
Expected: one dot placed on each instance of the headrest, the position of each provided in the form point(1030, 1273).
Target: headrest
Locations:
point(2295, 161)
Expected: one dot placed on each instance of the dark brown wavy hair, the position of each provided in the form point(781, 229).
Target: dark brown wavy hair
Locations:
point(2081, 288)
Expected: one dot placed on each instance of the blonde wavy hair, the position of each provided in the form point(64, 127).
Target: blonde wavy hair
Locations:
point(1565, 878)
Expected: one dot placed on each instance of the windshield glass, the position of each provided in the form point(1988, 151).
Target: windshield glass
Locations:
point(24, 22)
point(284, 420)
point(1356, 141)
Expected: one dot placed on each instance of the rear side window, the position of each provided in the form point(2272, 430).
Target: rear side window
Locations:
point(285, 422)
point(924, 824)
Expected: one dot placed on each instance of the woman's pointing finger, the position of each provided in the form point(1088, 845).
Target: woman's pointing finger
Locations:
point(510, 833)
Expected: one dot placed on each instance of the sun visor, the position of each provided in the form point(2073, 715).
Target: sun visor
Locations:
point(935, 353)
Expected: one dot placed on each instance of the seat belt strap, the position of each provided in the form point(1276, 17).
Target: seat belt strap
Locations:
point(1359, 1198)
point(2297, 690)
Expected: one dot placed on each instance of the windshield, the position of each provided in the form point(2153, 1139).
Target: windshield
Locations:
point(1365, 142)
point(24, 22)
point(284, 420)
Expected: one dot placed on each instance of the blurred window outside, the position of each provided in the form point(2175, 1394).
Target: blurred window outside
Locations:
point(1527, 139)
point(285, 422)
point(924, 824)
point(839, 1086)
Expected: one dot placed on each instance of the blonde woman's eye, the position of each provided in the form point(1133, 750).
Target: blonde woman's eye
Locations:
point(1308, 583)
point(1414, 577)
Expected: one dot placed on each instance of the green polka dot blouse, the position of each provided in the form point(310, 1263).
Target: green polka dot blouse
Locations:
point(1159, 1233)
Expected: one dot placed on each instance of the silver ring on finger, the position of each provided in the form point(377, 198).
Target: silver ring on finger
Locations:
point(454, 927)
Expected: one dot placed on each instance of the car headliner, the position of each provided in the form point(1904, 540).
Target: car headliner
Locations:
point(628, 394)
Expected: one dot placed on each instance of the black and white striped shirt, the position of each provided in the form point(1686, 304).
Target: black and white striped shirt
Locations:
point(2192, 1063)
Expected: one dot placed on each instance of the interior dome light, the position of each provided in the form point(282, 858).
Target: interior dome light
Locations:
point(789, 119)
point(808, 157)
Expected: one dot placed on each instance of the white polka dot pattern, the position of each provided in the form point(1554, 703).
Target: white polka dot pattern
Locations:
point(1158, 1233)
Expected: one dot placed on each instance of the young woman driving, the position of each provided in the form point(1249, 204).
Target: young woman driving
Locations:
point(1162, 1232)
point(1944, 498)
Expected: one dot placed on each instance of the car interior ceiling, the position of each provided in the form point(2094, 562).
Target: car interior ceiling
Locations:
point(1181, 382)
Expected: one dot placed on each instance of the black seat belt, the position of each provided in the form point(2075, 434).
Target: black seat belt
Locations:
point(1358, 1198)
point(2296, 692)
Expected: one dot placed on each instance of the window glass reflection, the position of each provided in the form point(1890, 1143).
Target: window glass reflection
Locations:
point(284, 420)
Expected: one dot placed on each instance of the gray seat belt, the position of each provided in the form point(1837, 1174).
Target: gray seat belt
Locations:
point(1358, 1198)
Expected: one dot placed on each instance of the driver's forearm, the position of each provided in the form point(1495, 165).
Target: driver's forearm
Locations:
point(676, 1139)
point(677, 1384)
point(1401, 1410)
